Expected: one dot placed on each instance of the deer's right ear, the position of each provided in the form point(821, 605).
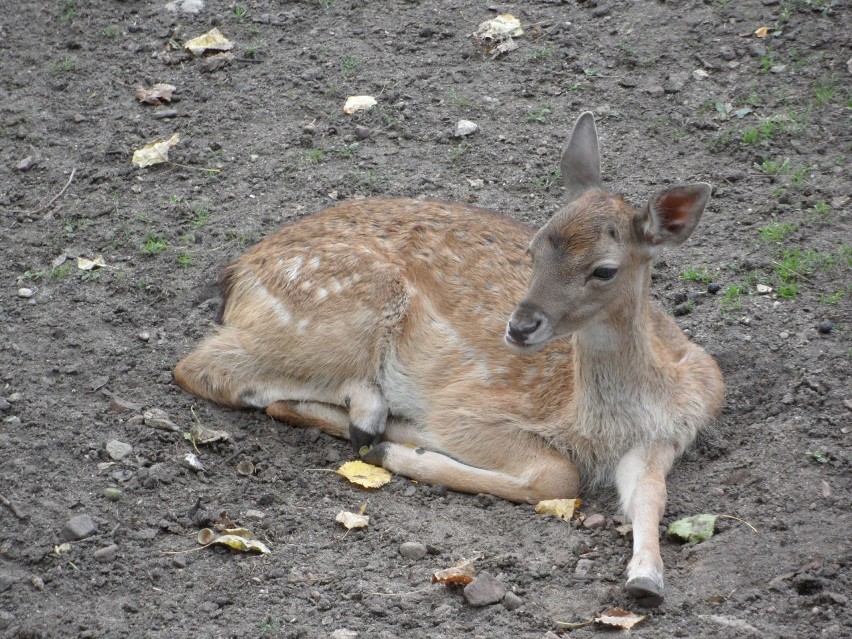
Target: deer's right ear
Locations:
point(581, 159)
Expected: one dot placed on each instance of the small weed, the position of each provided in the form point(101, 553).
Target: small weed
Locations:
point(314, 156)
point(268, 625)
point(731, 297)
point(784, 16)
point(819, 456)
point(66, 64)
point(60, 272)
point(540, 54)
point(627, 48)
point(67, 11)
point(773, 167)
point(153, 243)
point(453, 155)
point(90, 276)
point(776, 232)
point(822, 209)
point(751, 135)
point(109, 32)
point(768, 127)
point(824, 91)
point(349, 66)
point(31, 276)
point(240, 12)
point(185, 260)
point(458, 99)
point(833, 298)
point(348, 151)
point(540, 114)
point(201, 215)
point(554, 176)
point(577, 86)
point(797, 180)
point(693, 274)
point(766, 63)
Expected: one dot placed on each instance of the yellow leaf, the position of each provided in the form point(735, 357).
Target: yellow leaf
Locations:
point(562, 508)
point(213, 40)
point(364, 474)
point(358, 103)
point(462, 573)
point(156, 152)
point(618, 618)
point(504, 24)
point(352, 520)
point(241, 539)
point(762, 32)
point(85, 264)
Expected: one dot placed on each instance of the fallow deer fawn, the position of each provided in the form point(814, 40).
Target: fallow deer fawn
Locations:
point(390, 322)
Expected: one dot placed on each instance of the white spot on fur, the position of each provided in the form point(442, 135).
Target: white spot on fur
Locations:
point(293, 265)
point(336, 285)
point(306, 286)
point(303, 325)
point(314, 263)
point(321, 294)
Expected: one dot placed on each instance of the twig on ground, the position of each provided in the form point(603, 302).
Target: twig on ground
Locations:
point(52, 200)
point(20, 514)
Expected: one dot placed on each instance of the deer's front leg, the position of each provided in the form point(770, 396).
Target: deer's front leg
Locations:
point(641, 481)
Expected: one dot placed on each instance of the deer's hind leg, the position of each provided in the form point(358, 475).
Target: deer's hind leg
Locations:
point(224, 371)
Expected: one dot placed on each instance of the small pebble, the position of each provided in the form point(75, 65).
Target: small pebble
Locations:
point(594, 521)
point(511, 601)
point(37, 582)
point(144, 336)
point(157, 418)
point(825, 327)
point(412, 550)
point(118, 450)
point(79, 527)
point(583, 567)
point(107, 554)
point(783, 334)
point(191, 461)
point(26, 164)
point(254, 515)
point(113, 494)
point(26, 293)
point(465, 128)
point(713, 288)
point(484, 590)
point(344, 633)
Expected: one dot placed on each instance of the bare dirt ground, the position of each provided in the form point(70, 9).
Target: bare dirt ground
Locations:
point(682, 91)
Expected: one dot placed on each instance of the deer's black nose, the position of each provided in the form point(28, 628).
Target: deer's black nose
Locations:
point(520, 330)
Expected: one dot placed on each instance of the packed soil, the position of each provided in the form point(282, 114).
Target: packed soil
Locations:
point(100, 512)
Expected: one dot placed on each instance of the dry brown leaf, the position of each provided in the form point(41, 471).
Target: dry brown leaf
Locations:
point(85, 264)
point(762, 32)
point(156, 152)
point(157, 94)
point(462, 573)
point(352, 520)
point(213, 40)
point(619, 618)
point(364, 474)
point(562, 508)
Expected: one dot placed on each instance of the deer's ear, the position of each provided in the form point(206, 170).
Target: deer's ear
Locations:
point(581, 159)
point(673, 214)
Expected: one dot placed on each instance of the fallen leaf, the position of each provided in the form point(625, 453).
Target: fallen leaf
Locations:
point(157, 94)
point(462, 573)
point(202, 435)
point(352, 520)
point(85, 264)
point(562, 508)
point(364, 474)
point(696, 528)
point(240, 539)
point(762, 32)
point(618, 618)
point(503, 25)
point(213, 40)
point(358, 103)
point(156, 152)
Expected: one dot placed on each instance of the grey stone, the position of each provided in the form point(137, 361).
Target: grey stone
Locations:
point(465, 128)
point(484, 590)
point(757, 49)
point(118, 405)
point(26, 293)
point(107, 554)
point(412, 550)
point(511, 601)
point(655, 90)
point(344, 633)
point(584, 566)
point(594, 521)
point(79, 527)
point(157, 418)
point(6, 581)
point(118, 450)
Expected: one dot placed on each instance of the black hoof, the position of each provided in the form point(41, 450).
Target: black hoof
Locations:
point(360, 437)
point(645, 591)
point(376, 455)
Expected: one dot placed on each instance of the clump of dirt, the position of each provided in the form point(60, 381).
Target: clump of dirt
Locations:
point(95, 485)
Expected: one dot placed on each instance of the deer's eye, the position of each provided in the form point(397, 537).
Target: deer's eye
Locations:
point(604, 272)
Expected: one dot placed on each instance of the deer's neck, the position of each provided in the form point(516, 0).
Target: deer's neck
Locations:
point(618, 376)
